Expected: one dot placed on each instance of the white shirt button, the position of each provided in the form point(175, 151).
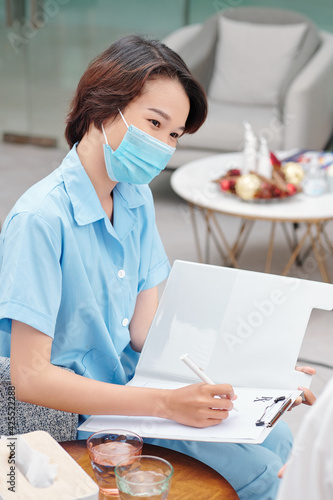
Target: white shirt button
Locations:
point(121, 273)
point(124, 322)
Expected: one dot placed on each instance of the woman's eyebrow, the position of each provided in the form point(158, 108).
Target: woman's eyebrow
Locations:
point(160, 112)
point(164, 115)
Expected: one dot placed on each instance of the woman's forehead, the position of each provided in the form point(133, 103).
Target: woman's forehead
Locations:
point(164, 93)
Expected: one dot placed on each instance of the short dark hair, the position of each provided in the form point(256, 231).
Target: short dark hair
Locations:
point(117, 76)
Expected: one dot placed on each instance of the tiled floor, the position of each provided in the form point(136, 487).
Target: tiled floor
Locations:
point(21, 166)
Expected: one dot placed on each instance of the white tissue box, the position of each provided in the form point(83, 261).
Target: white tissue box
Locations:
point(70, 483)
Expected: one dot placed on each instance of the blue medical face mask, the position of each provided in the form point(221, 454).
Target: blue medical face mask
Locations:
point(138, 159)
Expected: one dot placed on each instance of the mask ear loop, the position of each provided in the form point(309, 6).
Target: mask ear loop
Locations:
point(123, 118)
point(106, 139)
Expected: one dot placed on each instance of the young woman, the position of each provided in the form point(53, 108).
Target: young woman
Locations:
point(82, 258)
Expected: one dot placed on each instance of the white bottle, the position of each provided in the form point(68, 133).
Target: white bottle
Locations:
point(250, 150)
point(315, 182)
point(264, 166)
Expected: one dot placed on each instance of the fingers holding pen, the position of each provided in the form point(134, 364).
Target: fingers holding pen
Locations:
point(213, 402)
point(199, 405)
point(223, 392)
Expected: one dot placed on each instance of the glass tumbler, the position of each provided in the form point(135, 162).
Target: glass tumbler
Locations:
point(106, 449)
point(145, 477)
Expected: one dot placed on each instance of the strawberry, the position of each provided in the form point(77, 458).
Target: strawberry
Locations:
point(234, 172)
point(291, 189)
point(225, 185)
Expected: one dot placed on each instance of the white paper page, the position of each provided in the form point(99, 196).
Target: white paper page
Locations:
point(238, 427)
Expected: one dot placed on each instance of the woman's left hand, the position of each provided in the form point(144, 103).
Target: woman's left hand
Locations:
point(309, 397)
point(282, 471)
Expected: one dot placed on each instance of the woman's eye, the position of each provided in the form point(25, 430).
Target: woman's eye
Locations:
point(174, 135)
point(156, 123)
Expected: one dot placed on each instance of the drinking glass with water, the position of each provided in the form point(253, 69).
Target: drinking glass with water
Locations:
point(146, 477)
point(108, 448)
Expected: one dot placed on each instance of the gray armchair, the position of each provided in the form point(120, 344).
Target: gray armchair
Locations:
point(270, 67)
point(17, 417)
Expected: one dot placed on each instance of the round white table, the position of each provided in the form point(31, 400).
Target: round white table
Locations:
point(194, 182)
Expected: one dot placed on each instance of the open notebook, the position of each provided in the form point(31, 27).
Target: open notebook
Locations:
point(241, 327)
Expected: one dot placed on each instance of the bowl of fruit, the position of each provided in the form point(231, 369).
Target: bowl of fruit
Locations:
point(253, 187)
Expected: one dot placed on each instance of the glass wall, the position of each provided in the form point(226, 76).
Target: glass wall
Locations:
point(45, 46)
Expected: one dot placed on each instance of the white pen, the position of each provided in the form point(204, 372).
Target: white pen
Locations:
point(197, 370)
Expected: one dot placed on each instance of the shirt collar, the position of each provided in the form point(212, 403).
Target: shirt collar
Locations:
point(130, 194)
point(85, 202)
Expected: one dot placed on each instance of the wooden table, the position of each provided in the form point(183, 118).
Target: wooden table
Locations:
point(194, 182)
point(191, 479)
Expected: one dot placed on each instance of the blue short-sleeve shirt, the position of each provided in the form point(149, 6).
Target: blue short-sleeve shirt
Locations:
point(70, 273)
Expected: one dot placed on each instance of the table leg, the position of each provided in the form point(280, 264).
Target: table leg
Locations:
point(244, 231)
point(223, 238)
point(325, 235)
point(270, 249)
point(195, 231)
point(208, 234)
point(320, 261)
point(291, 244)
point(211, 234)
point(232, 252)
point(295, 226)
point(296, 251)
point(208, 216)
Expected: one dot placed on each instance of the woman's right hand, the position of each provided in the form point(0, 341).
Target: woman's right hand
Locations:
point(195, 405)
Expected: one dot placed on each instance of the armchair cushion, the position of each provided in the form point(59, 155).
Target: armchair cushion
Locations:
point(224, 131)
point(253, 60)
point(17, 417)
